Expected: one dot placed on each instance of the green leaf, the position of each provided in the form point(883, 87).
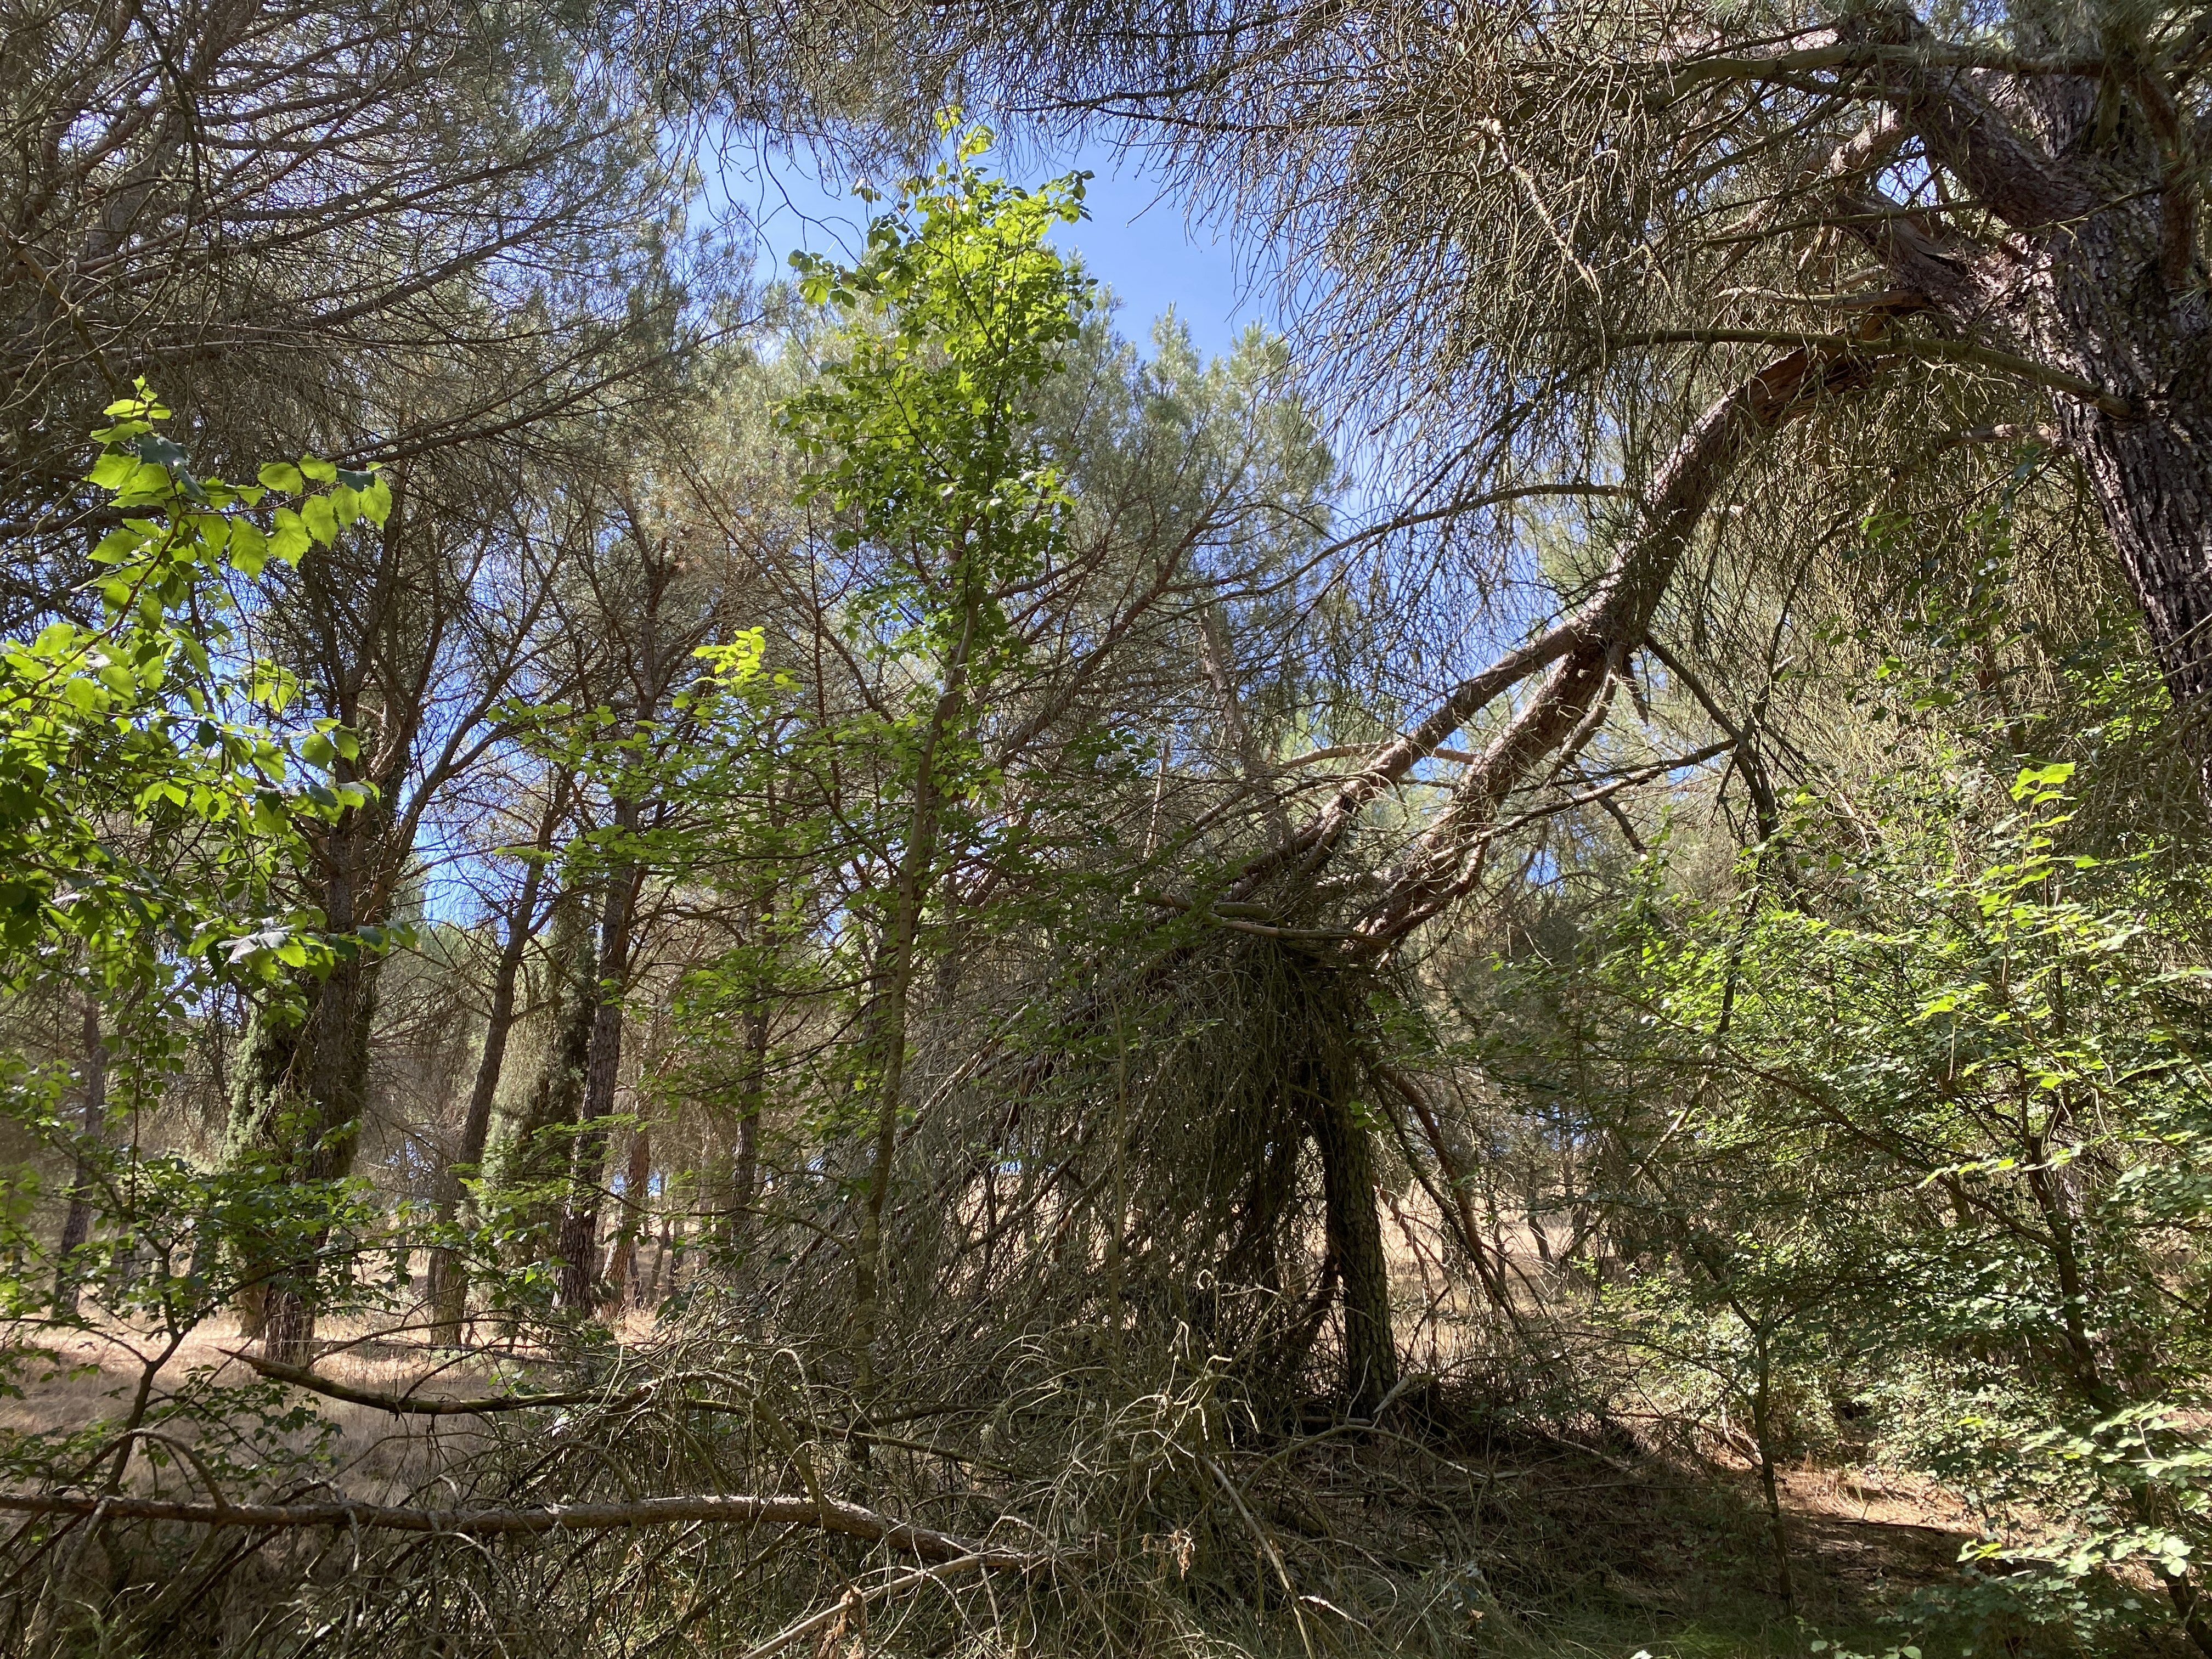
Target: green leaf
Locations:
point(281, 477)
point(249, 548)
point(291, 541)
point(117, 545)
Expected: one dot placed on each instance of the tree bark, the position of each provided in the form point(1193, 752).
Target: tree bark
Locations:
point(535, 1152)
point(1354, 1225)
point(76, 1225)
point(580, 1224)
point(2099, 276)
point(318, 1137)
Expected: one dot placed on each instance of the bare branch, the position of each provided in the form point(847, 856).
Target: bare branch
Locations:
point(819, 1515)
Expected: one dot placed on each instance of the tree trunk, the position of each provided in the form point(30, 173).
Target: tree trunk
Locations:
point(744, 1174)
point(2153, 481)
point(580, 1224)
point(327, 1129)
point(915, 876)
point(76, 1227)
point(449, 1273)
point(1354, 1227)
point(637, 1179)
point(531, 1158)
point(1762, 1428)
point(2099, 278)
point(301, 1093)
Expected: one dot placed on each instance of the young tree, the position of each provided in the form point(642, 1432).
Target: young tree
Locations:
point(960, 311)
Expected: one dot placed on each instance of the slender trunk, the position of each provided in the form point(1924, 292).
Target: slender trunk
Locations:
point(580, 1224)
point(1770, 1485)
point(2073, 1294)
point(449, 1272)
point(744, 1175)
point(637, 1179)
point(895, 987)
point(76, 1227)
point(661, 1281)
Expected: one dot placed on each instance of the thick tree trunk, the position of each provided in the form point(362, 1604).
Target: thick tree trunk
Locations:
point(2153, 481)
point(532, 1156)
point(1354, 1227)
point(2100, 309)
point(2099, 278)
point(302, 1090)
point(337, 1043)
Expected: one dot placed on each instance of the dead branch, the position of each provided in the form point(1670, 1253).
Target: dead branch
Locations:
point(822, 1514)
point(402, 1405)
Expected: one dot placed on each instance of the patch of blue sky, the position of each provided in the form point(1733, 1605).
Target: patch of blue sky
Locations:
point(1138, 241)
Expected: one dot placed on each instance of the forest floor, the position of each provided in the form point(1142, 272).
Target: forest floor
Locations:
point(1594, 1554)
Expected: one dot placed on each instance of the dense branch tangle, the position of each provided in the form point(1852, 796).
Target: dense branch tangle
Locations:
point(1580, 224)
point(1544, 214)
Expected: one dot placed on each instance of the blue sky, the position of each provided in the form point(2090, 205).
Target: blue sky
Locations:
point(1137, 241)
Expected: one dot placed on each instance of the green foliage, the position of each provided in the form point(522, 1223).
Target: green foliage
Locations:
point(151, 823)
point(957, 311)
point(1921, 1100)
point(144, 806)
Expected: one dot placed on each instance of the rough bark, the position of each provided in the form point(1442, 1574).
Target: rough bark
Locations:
point(315, 1141)
point(1353, 1224)
point(2099, 276)
point(534, 1151)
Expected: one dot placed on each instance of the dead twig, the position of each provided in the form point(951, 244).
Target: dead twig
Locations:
point(824, 1515)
